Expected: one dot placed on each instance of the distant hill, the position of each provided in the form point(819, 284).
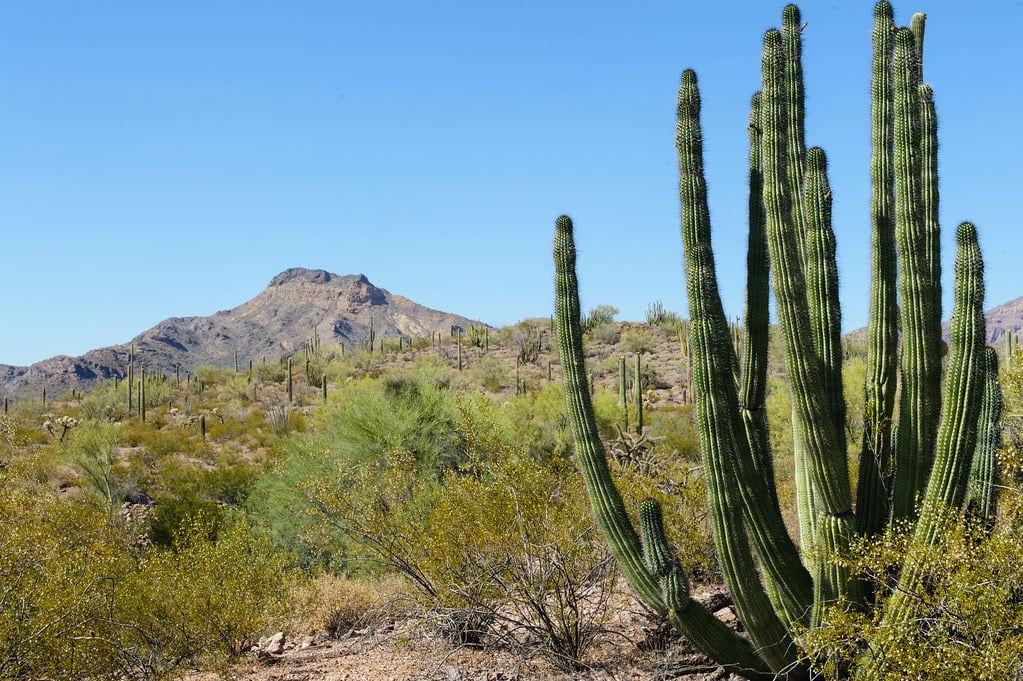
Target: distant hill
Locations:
point(1005, 317)
point(278, 321)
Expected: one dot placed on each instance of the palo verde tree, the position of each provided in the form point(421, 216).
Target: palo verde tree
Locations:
point(912, 472)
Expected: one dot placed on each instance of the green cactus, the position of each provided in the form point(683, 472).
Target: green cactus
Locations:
point(288, 383)
point(623, 392)
point(984, 474)
point(638, 394)
point(776, 590)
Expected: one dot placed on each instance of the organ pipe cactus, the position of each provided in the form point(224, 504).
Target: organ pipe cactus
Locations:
point(777, 590)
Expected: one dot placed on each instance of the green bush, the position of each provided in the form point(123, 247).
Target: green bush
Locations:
point(197, 602)
point(638, 341)
point(108, 400)
point(92, 448)
point(80, 602)
point(513, 543)
point(967, 624)
point(181, 514)
point(491, 373)
point(598, 316)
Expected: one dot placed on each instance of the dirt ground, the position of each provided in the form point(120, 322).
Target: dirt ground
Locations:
point(631, 648)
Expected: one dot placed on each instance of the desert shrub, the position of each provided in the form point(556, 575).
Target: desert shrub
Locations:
point(108, 400)
point(372, 449)
point(161, 442)
point(491, 373)
point(198, 601)
point(638, 341)
point(335, 604)
point(966, 624)
point(608, 334)
point(538, 422)
point(512, 543)
point(79, 602)
point(210, 375)
point(158, 392)
point(598, 316)
point(270, 372)
point(92, 448)
point(58, 566)
point(184, 512)
point(408, 409)
point(674, 429)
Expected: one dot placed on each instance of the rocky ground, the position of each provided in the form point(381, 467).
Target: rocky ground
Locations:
point(631, 648)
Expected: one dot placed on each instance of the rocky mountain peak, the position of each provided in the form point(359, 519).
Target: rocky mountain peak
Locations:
point(297, 304)
point(301, 275)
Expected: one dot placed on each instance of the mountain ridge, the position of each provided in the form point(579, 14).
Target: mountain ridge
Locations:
point(295, 305)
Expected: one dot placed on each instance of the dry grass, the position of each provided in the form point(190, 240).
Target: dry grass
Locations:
point(336, 605)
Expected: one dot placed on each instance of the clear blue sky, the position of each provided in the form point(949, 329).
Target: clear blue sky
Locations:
point(169, 158)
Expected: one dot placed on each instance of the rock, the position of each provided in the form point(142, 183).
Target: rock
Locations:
point(726, 615)
point(275, 644)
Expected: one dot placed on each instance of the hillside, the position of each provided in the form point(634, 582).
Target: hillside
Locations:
point(296, 305)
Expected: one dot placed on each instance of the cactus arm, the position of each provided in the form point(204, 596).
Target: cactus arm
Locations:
point(698, 624)
point(795, 154)
point(918, 280)
point(917, 24)
point(607, 503)
point(795, 115)
point(753, 387)
point(655, 577)
point(872, 492)
point(984, 474)
point(929, 191)
point(732, 480)
point(956, 434)
point(822, 286)
point(826, 460)
point(831, 578)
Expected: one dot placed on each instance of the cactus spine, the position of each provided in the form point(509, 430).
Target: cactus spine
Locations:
point(791, 240)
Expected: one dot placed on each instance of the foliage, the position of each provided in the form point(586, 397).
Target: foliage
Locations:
point(107, 400)
point(93, 450)
point(966, 624)
point(598, 316)
point(511, 543)
point(658, 315)
point(79, 601)
point(336, 604)
point(199, 600)
point(637, 340)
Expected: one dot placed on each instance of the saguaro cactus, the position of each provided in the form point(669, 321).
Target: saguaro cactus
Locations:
point(778, 591)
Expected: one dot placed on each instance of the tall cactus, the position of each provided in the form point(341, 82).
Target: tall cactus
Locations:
point(776, 590)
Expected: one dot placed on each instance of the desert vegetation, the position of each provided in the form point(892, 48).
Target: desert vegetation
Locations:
point(432, 483)
point(518, 489)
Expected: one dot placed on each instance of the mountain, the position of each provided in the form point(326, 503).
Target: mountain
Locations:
point(297, 304)
point(1005, 317)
